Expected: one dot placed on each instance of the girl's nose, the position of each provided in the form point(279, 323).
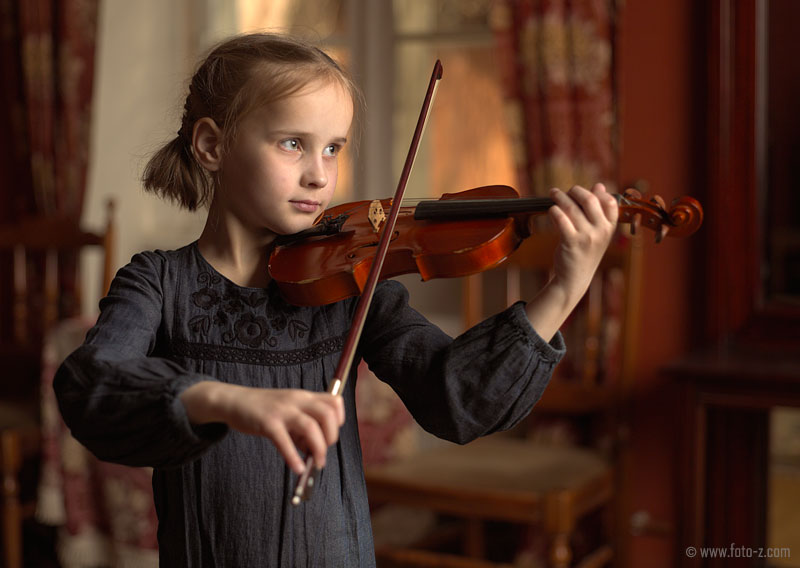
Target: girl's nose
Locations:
point(314, 176)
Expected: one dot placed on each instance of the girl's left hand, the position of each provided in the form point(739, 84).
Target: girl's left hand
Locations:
point(585, 221)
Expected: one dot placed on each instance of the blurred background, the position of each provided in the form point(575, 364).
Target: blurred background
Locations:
point(672, 97)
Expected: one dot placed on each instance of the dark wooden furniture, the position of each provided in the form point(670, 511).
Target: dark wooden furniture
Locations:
point(37, 250)
point(724, 448)
point(749, 317)
point(511, 479)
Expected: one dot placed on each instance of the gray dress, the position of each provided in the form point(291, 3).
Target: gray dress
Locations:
point(223, 497)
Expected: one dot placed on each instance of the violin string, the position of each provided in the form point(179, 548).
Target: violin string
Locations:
point(408, 201)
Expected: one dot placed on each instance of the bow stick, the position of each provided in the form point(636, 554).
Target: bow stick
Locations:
point(310, 475)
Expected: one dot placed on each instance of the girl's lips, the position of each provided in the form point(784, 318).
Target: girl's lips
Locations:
point(305, 206)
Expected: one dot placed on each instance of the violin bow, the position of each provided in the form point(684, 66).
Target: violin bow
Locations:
point(308, 479)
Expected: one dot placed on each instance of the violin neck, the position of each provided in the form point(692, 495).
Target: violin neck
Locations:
point(454, 209)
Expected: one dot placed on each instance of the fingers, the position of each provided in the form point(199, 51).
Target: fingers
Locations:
point(308, 434)
point(323, 415)
point(608, 203)
point(585, 220)
point(292, 419)
point(560, 213)
point(280, 437)
point(316, 422)
point(580, 210)
point(298, 430)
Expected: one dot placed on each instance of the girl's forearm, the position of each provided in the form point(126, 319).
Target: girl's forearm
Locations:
point(550, 308)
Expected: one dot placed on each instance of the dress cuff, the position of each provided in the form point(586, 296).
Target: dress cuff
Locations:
point(553, 351)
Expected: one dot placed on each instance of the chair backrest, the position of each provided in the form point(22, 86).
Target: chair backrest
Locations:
point(600, 333)
point(39, 259)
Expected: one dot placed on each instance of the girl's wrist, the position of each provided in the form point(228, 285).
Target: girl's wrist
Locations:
point(549, 309)
point(206, 402)
point(565, 295)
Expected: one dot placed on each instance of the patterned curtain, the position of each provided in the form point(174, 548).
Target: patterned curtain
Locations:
point(556, 58)
point(47, 53)
point(47, 69)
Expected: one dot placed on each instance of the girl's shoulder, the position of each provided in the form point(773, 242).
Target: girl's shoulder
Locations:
point(162, 259)
point(154, 268)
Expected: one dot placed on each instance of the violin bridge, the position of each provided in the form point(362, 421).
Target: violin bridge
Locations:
point(376, 214)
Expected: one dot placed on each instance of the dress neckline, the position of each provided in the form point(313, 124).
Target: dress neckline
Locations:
point(270, 288)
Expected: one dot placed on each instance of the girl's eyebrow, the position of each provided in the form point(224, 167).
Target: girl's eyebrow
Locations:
point(293, 133)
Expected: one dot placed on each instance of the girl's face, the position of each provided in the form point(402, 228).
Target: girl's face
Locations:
point(280, 173)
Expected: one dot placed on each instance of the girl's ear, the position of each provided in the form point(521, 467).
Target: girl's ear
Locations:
point(207, 143)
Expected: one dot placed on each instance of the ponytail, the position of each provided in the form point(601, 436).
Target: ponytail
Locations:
point(174, 174)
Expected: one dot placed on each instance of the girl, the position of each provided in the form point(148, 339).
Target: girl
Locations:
point(198, 368)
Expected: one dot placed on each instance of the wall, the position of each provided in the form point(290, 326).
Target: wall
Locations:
point(145, 53)
point(661, 101)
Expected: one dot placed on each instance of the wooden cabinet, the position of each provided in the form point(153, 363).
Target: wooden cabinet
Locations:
point(750, 313)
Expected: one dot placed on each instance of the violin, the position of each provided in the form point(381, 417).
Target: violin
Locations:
point(456, 235)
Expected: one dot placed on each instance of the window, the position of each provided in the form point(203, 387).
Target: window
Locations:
point(466, 145)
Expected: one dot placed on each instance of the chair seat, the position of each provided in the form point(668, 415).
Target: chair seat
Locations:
point(18, 414)
point(479, 480)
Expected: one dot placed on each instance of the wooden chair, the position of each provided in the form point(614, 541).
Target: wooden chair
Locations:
point(544, 489)
point(35, 250)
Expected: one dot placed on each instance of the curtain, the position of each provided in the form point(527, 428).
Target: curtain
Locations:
point(556, 58)
point(47, 52)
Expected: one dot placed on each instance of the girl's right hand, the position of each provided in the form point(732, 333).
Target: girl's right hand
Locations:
point(290, 418)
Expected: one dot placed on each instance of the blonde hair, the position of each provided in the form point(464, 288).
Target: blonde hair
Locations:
point(237, 76)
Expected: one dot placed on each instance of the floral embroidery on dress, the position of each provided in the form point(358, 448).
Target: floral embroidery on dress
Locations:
point(200, 324)
point(234, 311)
point(297, 329)
point(251, 330)
point(205, 298)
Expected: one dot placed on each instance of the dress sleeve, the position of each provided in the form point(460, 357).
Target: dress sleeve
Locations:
point(117, 396)
point(483, 381)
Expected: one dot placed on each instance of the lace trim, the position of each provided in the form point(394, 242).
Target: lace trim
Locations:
point(257, 356)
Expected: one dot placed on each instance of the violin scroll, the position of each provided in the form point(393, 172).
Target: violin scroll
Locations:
point(683, 218)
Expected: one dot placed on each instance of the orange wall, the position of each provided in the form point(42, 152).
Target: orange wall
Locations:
point(661, 142)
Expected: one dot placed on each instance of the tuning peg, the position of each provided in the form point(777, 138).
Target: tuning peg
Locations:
point(661, 233)
point(658, 200)
point(632, 193)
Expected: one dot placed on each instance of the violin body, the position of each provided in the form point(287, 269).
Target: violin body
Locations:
point(324, 269)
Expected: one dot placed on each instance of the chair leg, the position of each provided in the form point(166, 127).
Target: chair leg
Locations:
point(559, 522)
point(10, 464)
point(475, 541)
point(560, 551)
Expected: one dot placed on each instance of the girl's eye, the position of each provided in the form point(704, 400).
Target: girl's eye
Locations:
point(331, 150)
point(290, 144)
